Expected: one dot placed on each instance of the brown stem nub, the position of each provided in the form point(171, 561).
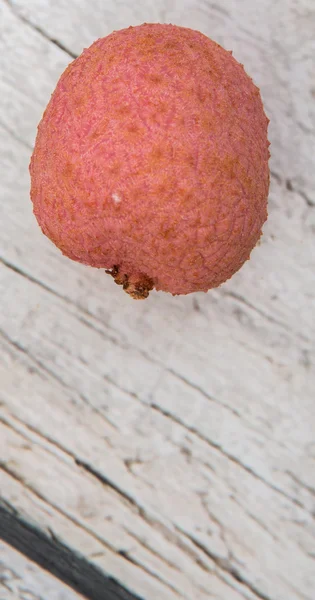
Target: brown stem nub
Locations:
point(137, 287)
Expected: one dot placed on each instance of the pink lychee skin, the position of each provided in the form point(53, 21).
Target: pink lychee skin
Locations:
point(152, 157)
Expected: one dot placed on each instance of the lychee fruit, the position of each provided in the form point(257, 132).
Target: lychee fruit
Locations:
point(151, 161)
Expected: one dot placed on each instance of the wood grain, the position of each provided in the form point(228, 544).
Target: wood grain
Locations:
point(22, 579)
point(169, 445)
point(47, 551)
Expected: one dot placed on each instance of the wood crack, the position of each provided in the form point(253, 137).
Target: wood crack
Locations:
point(193, 430)
point(43, 285)
point(150, 520)
point(269, 318)
point(203, 393)
point(301, 483)
point(212, 399)
point(126, 346)
point(254, 518)
point(16, 137)
point(228, 455)
point(217, 8)
point(42, 369)
point(140, 510)
point(147, 547)
point(225, 565)
point(68, 302)
point(105, 481)
point(39, 30)
point(289, 185)
point(9, 471)
point(124, 554)
point(58, 559)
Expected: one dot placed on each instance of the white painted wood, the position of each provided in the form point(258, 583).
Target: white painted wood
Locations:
point(21, 579)
point(198, 411)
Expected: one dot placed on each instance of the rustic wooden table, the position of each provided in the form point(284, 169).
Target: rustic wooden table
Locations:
point(162, 449)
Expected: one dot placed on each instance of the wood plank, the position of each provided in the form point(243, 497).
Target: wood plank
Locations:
point(168, 443)
point(221, 499)
point(93, 521)
point(22, 579)
point(51, 555)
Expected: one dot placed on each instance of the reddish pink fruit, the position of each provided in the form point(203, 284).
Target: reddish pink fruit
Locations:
point(151, 161)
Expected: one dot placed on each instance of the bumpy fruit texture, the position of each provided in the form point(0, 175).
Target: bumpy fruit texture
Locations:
point(151, 161)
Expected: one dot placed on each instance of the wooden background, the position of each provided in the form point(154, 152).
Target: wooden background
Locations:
point(165, 446)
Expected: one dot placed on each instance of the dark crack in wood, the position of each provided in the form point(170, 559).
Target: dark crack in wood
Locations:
point(225, 565)
point(53, 556)
point(39, 30)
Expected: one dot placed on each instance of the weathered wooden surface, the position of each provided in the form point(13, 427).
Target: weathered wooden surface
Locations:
point(170, 443)
point(21, 579)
